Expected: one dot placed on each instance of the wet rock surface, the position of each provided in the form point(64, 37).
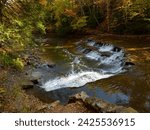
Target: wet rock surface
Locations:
point(36, 69)
point(104, 55)
point(28, 85)
point(100, 105)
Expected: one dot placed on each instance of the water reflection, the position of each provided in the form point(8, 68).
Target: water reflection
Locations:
point(64, 93)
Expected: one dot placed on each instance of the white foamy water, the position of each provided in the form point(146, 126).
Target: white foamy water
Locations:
point(106, 48)
point(114, 59)
point(74, 80)
point(93, 55)
point(91, 43)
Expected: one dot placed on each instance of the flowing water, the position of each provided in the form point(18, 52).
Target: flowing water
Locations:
point(101, 69)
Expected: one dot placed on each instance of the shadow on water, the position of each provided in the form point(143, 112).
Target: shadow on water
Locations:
point(64, 93)
point(131, 88)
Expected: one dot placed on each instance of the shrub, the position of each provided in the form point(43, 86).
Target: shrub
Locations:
point(17, 27)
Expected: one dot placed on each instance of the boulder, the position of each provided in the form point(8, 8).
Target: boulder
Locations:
point(27, 86)
point(129, 63)
point(100, 105)
point(79, 96)
point(116, 49)
point(36, 76)
point(35, 81)
point(53, 104)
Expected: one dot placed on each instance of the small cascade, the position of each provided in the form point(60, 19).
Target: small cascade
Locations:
point(74, 80)
point(94, 61)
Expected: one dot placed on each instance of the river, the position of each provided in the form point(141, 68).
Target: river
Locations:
point(105, 76)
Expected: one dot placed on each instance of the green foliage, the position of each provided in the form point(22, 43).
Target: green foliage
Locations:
point(5, 59)
point(65, 17)
point(9, 60)
point(18, 63)
point(19, 19)
point(41, 27)
point(17, 27)
point(15, 36)
point(131, 17)
point(79, 23)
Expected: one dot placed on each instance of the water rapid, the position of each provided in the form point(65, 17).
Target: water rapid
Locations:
point(89, 62)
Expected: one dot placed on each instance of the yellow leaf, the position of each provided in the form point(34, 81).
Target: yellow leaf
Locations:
point(43, 2)
point(2, 90)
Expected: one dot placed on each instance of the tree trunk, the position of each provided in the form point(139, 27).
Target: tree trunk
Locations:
point(108, 15)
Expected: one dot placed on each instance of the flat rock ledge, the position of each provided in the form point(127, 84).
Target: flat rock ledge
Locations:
point(100, 105)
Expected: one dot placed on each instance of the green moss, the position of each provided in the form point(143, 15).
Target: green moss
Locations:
point(5, 59)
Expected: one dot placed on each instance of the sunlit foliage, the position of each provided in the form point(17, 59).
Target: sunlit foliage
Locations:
point(20, 19)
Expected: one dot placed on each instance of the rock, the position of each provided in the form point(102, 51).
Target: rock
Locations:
point(128, 110)
point(100, 105)
point(47, 107)
point(27, 86)
point(46, 65)
point(31, 59)
point(116, 49)
point(98, 44)
point(42, 108)
point(106, 54)
point(36, 75)
point(79, 96)
point(87, 51)
point(114, 109)
point(1, 66)
point(129, 63)
point(28, 63)
point(35, 81)
point(89, 40)
point(54, 104)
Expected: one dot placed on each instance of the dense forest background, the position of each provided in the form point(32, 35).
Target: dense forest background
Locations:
point(20, 20)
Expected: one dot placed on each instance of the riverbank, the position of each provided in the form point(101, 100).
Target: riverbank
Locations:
point(13, 98)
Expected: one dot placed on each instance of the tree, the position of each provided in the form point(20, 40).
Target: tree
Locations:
point(2, 5)
point(108, 15)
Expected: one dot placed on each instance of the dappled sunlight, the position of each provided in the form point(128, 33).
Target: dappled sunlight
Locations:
point(139, 55)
